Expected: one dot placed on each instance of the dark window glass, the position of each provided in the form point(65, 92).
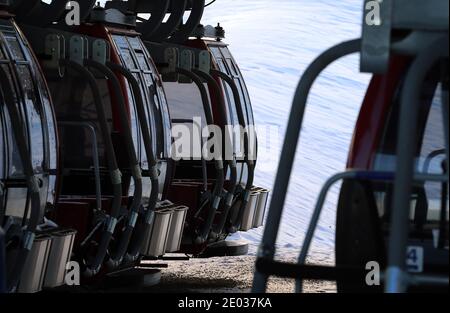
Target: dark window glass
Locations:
point(135, 43)
point(166, 118)
point(142, 61)
point(50, 124)
point(184, 101)
point(16, 50)
point(120, 41)
point(128, 59)
point(148, 109)
point(15, 168)
point(74, 102)
point(34, 117)
point(231, 66)
point(134, 122)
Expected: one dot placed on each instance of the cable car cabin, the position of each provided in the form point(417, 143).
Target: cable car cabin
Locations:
point(203, 193)
point(242, 206)
point(364, 209)
point(115, 140)
point(198, 183)
point(240, 111)
point(28, 167)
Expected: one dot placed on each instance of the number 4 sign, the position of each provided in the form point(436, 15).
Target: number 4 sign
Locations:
point(414, 259)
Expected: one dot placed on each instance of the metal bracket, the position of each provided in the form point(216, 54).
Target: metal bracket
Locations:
point(54, 48)
point(187, 61)
point(204, 62)
point(77, 49)
point(415, 18)
point(171, 59)
point(376, 36)
point(100, 51)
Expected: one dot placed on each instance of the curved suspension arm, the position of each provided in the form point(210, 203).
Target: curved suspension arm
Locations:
point(148, 27)
point(185, 30)
point(203, 233)
point(218, 228)
point(235, 225)
point(32, 182)
point(135, 246)
point(116, 180)
point(167, 28)
point(117, 256)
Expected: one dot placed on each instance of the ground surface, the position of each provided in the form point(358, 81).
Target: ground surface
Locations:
point(226, 274)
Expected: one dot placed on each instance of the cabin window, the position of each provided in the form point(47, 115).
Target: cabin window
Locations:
point(53, 158)
point(232, 68)
point(134, 59)
point(34, 117)
point(142, 61)
point(185, 102)
point(136, 132)
point(15, 168)
point(76, 104)
point(16, 50)
point(128, 59)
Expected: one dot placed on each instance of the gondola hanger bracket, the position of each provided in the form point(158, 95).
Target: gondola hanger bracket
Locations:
point(187, 60)
point(54, 49)
point(78, 49)
point(100, 51)
point(204, 61)
point(171, 59)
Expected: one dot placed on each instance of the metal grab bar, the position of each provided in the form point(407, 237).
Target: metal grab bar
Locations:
point(356, 175)
point(95, 156)
point(430, 157)
point(204, 165)
point(300, 271)
point(409, 112)
point(267, 247)
point(337, 273)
